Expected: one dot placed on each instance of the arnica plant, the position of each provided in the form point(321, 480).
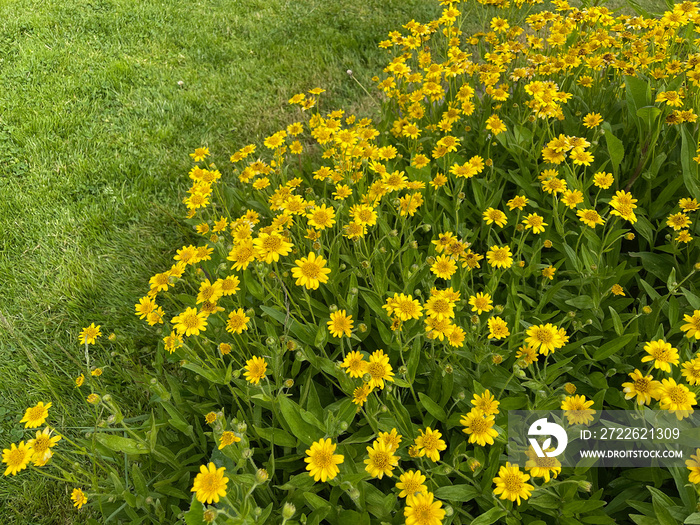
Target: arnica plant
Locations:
point(516, 228)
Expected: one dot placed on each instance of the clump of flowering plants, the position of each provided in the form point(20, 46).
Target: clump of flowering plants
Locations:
point(367, 300)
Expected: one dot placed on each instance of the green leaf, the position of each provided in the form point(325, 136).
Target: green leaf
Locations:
point(276, 436)
point(615, 148)
point(214, 376)
point(139, 480)
point(489, 517)
point(432, 407)
point(617, 322)
point(195, 516)
point(292, 414)
point(458, 493)
point(122, 444)
point(613, 346)
point(690, 167)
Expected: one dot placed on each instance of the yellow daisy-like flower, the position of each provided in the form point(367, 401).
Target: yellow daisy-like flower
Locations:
point(41, 446)
point(486, 403)
point(35, 416)
point(678, 221)
point(644, 388)
point(89, 335)
point(237, 322)
point(491, 215)
point(270, 246)
point(379, 369)
point(359, 395)
point(590, 217)
point(444, 267)
point(603, 180)
point(481, 302)
point(321, 217)
point(79, 498)
point(617, 290)
point(391, 439)
point(79, 380)
point(511, 483)
point(500, 257)
point(591, 120)
point(311, 271)
point(404, 307)
point(423, 509)
point(495, 124)
point(691, 371)
point(546, 467)
point(255, 369)
point(210, 484)
point(545, 337)
point(200, 154)
point(340, 324)
point(534, 222)
point(381, 460)
point(676, 398)
point(548, 272)
point(693, 465)
point(16, 458)
point(692, 326)
point(498, 328)
point(355, 364)
point(578, 410)
point(411, 483)
point(662, 353)
point(430, 444)
point(479, 427)
point(190, 322)
point(227, 438)
point(518, 202)
point(322, 462)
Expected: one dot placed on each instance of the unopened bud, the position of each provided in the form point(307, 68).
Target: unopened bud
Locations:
point(288, 510)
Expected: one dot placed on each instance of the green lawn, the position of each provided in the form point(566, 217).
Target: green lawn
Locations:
point(95, 132)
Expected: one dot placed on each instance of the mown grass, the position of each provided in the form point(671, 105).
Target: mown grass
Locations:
point(102, 101)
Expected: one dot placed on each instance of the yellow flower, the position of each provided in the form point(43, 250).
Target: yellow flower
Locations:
point(200, 154)
point(35, 416)
point(404, 307)
point(41, 446)
point(411, 483)
point(423, 509)
point(546, 338)
point(237, 321)
point(511, 483)
point(692, 326)
point(210, 484)
point(643, 387)
point(590, 217)
point(360, 394)
point(542, 467)
point(228, 438)
point(676, 398)
point(322, 462)
point(355, 364)
point(16, 458)
point(495, 124)
point(379, 369)
point(321, 217)
point(500, 257)
point(480, 303)
point(678, 221)
point(662, 353)
point(591, 120)
point(603, 180)
point(93, 399)
point(617, 290)
point(391, 439)
point(311, 271)
point(89, 335)
point(78, 497)
point(189, 322)
point(444, 267)
point(548, 272)
point(518, 202)
point(255, 368)
point(340, 323)
point(577, 410)
point(693, 465)
point(430, 444)
point(479, 427)
point(534, 222)
point(485, 403)
point(270, 246)
point(210, 418)
point(491, 215)
point(381, 460)
point(498, 328)
point(79, 380)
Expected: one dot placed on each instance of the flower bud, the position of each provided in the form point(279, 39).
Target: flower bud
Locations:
point(247, 453)
point(288, 383)
point(473, 464)
point(333, 308)
point(570, 388)
point(288, 511)
point(261, 476)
